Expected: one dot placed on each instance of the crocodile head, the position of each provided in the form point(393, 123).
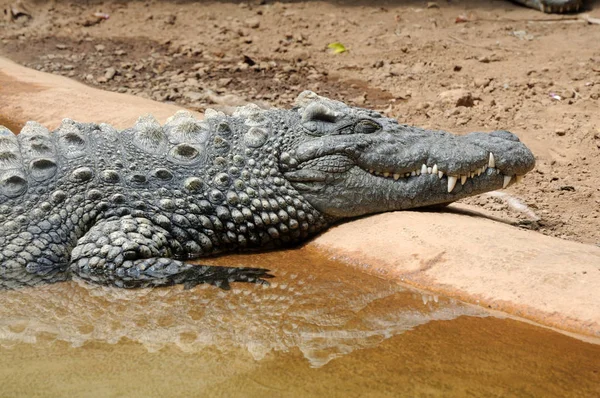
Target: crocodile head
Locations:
point(350, 161)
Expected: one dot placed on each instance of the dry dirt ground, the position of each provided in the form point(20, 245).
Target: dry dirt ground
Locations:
point(459, 66)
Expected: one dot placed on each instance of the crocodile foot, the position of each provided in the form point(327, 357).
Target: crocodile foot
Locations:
point(222, 276)
point(553, 6)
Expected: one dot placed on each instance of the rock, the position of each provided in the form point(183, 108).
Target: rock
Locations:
point(360, 100)
point(422, 105)
point(99, 47)
point(224, 81)
point(170, 19)
point(62, 46)
point(457, 97)
point(193, 96)
point(252, 23)
point(489, 58)
point(110, 73)
point(482, 82)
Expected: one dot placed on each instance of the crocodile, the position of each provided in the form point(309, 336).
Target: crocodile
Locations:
point(128, 208)
point(553, 6)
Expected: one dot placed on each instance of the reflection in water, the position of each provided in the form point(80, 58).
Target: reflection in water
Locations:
point(361, 336)
point(324, 309)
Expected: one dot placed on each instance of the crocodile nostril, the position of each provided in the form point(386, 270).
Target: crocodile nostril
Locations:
point(506, 135)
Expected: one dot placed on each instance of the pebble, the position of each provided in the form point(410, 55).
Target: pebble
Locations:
point(110, 73)
point(457, 97)
point(252, 23)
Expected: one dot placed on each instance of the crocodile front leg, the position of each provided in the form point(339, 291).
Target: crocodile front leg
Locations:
point(133, 252)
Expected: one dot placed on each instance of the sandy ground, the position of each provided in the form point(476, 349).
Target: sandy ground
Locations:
point(459, 66)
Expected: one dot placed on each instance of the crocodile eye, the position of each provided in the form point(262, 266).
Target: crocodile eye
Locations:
point(366, 127)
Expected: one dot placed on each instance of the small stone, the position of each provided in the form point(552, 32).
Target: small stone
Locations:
point(252, 23)
point(560, 132)
point(62, 46)
point(110, 73)
point(457, 97)
point(482, 82)
point(99, 47)
point(171, 19)
point(193, 96)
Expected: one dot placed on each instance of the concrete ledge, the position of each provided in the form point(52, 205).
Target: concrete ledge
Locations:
point(548, 280)
point(477, 260)
point(26, 94)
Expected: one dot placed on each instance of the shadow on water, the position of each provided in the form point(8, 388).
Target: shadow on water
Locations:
point(320, 328)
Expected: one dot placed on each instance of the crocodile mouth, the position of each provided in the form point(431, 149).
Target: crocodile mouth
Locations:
point(452, 178)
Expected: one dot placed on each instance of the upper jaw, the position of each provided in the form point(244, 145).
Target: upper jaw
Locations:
point(454, 158)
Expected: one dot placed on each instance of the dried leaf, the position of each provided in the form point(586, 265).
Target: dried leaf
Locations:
point(337, 47)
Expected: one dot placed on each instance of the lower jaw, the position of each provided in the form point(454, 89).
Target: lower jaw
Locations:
point(430, 190)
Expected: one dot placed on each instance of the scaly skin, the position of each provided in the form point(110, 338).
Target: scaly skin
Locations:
point(126, 208)
point(553, 6)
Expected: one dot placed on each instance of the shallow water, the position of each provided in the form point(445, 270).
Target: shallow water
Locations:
point(321, 328)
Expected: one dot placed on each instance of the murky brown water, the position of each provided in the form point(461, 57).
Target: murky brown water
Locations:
point(321, 328)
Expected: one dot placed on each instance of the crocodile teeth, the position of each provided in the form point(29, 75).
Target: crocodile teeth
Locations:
point(451, 183)
point(396, 176)
point(440, 174)
point(463, 179)
point(386, 174)
point(506, 181)
point(434, 169)
point(492, 161)
point(518, 178)
point(424, 169)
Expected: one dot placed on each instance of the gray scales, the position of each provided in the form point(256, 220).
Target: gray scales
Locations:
point(127, 208)
point(553, 6)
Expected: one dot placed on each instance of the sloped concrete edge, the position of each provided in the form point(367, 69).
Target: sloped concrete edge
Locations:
point(26, 94)
point(547, 280)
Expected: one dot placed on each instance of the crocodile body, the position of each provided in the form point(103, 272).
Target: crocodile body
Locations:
point(128, 208)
